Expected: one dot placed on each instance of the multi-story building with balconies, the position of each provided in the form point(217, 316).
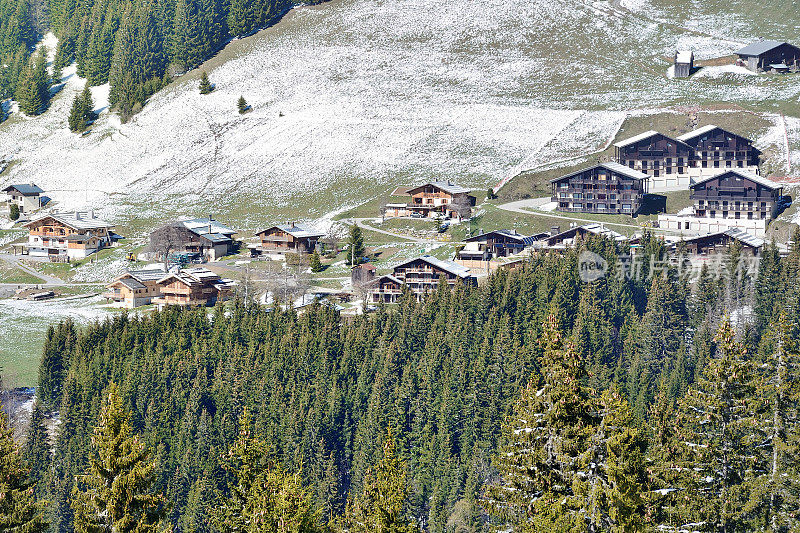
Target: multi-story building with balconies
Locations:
point(419, 275)
point(604, 188)
point(665, 160)
point(715, 149)
point(736, 195)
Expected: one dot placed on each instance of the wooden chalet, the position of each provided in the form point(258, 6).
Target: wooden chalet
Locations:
point(419, 275)
point(715, 243)
point(684, 63)
point(26, 196)
point(604, 188)
point(64, 236)
point(438, 198)
point(736, 194)
point(192, 287)
point(664, 159)
point(577, 234)
point(289, 237)
point(206, 239)
point(492, 244)
point(770, 56)
point(715, 149)
point(135, 288)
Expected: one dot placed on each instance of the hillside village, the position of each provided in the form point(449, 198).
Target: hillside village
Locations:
point(202, 261)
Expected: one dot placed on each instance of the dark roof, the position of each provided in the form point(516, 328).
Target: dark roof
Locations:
point(366, 266)
point(25, 189)
point(511, 234)
point(760, 48)
point(448, 266)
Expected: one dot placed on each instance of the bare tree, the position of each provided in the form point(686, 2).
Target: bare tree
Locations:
point(461, 206)
point(166, 240)
point(336, 232)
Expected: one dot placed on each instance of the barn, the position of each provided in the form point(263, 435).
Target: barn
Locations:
point(765, 56)
point(684, 63)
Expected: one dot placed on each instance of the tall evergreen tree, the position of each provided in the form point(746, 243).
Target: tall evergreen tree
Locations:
point(382, 505)
point(20, 511)
point(205, 84)
point(355, 243)
point(114, 494)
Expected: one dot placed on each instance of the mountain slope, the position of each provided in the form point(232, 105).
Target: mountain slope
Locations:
point(352, 97)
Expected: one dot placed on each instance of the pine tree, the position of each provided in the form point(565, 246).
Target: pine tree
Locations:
point(13, 212)
point(264, 497)
point(205, 85)
point(315, 263)
point(77, 114)
point(355, 241)
point(37, 450)
point(114, 494)
point(19, 509)
point(381, 507)
point(242, 105)
point(719, 432)
point(545, 440)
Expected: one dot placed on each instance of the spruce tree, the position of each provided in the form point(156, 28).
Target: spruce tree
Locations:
point(544, 443)
point(355, 242)
point(719, 433)
point(77, 114)
point(315, 262)
point(20, 511)
point(37, 450)
point(205, 85)
point(13, 212)
point(242, 105)
point(382, 505)
point(264, 497)
point(114, 494)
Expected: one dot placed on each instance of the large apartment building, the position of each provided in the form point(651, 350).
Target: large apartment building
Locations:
point(677, 163)
point(737, 195)
point(604, 188)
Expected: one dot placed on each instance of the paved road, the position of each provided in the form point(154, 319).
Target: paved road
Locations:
point(15, 260)
point(527, 207)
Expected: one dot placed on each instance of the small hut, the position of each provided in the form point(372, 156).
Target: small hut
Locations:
point(684, 63)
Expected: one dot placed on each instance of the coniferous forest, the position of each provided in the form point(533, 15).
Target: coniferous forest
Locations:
point(136, 46)
point(532, 402)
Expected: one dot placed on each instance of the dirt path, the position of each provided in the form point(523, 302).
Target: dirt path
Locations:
point(363, 223)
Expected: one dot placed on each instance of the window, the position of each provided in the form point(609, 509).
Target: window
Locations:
point(713, 214)
point(686, 225)
point(737, 215)
point(612, 196)
point(626, 207)
point(577, 205)
point(601, 206)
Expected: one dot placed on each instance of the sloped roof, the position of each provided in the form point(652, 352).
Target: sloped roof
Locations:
point(25, 189)
point(744, 174)
point(698, 132)
point(643, 136)
point(192, 276)
point(76, 220)
point(148, 274)
point(510, 233)
point(448, 266)
point(200, 225)
point(684, 56)
point(759, 48)
point(295, 230)
point(734, 233)
point(596, 229)
point(636, 138)
point(446, 186)
point(614, 167)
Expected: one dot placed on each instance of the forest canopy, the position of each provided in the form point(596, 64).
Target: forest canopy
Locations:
point(633, 383)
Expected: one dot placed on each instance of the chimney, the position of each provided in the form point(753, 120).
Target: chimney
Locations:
point(78, 215)
point(91, 213)
point(555, 230)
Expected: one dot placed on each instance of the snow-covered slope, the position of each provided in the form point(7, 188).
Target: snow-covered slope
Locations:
point(353, 96)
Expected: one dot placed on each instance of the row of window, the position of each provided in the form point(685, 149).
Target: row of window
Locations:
point(736, 214)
